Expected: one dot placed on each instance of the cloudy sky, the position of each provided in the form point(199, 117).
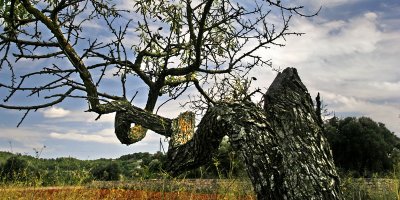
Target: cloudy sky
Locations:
point(350, 54)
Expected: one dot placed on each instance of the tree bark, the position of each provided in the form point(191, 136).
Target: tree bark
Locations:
point(286, 154)
point(127, 114)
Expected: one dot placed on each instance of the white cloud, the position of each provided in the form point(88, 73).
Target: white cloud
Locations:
point(332, 38)
point(353, 63)
point(80, 116)
point(151, 138)
point(111, 72)
point(61, 115)
point(104, 136)
point(107, 132)
point(58, 114)
point(21, 139)
point(381, 112)
point(125, 5)
point(327, 3)
point(55, 112)
point(108, 139)
point(173, 108)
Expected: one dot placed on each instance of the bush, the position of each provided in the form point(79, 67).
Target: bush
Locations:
point(17, 170)
point(361, 145)
point(108, 172)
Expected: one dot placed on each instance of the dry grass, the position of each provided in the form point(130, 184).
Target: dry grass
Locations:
point(149, 189)
point(189, 189)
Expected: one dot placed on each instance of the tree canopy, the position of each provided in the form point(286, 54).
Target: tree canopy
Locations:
point(169, 46)
point(362, 145)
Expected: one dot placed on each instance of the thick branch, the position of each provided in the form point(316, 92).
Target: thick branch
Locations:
point(197, 41)
point(286, 154)
point(69, 51)
point(127, 114)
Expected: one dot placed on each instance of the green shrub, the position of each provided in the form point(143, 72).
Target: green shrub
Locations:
point(109, 172)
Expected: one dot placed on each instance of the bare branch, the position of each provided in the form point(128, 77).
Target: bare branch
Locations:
point(27, 42)
point(35, 107)
point(23, 118)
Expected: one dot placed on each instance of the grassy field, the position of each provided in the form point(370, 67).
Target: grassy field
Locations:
point(143, 189)
point(371, 189)
point(186, 189)
point(87, 193)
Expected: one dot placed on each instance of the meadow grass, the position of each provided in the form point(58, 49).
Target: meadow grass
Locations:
point(353, 189)
point(371, 188)
point(146, 189)
point(77, 186)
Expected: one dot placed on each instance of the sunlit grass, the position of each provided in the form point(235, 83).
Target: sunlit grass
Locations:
point(23, 180)
point(78, 184)
point(175, 189)
point(193, 188)
point(370, 189)
point(353, 189)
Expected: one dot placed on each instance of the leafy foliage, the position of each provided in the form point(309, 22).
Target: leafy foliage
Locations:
point(361, 145)
point(12, 10)
point(17, 168)
point(109, 172)
point(170, 46)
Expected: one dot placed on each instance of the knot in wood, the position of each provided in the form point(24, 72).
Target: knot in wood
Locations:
point(124, 132)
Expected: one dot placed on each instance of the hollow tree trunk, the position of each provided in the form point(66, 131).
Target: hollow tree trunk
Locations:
point(286, 154)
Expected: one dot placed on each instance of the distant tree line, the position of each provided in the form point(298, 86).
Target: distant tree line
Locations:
point(28, 170)
point(361, 147)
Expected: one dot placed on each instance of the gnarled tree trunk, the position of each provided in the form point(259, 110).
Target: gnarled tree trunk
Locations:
point(286, 154)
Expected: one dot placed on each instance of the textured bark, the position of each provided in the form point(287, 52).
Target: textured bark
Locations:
point(126, 114)
point(198, 150)
point(287, 156)
point(182, 129)
point(307, 170)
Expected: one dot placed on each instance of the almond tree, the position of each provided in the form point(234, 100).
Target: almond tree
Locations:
point(171, 46)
